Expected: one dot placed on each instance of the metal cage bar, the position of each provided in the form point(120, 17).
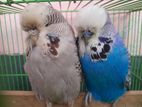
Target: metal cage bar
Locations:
point(12, 75)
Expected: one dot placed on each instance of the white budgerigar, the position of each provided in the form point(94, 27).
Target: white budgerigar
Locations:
point(52, 64)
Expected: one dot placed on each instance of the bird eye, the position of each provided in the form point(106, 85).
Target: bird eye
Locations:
point(33, 28)
point(82, 31)
point(89, 31)
point(47, 25)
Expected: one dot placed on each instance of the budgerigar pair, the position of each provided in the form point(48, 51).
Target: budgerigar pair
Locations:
point(53, 64)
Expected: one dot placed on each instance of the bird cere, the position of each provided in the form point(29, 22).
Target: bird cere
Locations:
point(53, 63)
point(52, 56)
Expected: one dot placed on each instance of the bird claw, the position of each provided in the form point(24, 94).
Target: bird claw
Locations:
point(70, 103)
point(39, 97)
point(88, 99)
point(48, 104)
point(113, 104)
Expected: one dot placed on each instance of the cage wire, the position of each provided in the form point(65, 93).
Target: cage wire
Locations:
point(126, 16)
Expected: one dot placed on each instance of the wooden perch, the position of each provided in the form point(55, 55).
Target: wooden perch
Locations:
point(27, 99)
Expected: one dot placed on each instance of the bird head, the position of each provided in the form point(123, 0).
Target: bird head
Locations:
point(89, 21)
point(36, 17)
point(39, 15)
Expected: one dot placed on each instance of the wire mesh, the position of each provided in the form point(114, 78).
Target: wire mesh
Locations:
point(125, 15)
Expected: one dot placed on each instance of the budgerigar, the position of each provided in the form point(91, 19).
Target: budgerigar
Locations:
point(103, 56)
point(52, 65)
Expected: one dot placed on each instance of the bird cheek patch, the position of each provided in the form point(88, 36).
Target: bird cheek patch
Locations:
point(54, 44)
point(53, 50)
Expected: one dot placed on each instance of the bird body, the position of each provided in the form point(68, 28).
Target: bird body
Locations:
point(55, 77)
point(106, 79)
point(53, 63)
point(103, 55)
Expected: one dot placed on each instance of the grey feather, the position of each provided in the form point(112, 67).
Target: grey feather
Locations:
point(55, 78)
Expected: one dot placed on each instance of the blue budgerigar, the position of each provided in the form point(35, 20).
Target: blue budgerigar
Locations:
point(103, 55)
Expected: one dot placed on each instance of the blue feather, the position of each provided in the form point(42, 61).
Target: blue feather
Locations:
point(106, 79)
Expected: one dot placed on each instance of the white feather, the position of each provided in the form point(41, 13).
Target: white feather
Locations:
point(34, 15)
point(95, 16)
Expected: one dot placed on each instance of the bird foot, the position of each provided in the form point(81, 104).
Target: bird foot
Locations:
point(39, 97)
point(70, 103)
point(114, 103)
point(48, 104)
point(88, 99)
